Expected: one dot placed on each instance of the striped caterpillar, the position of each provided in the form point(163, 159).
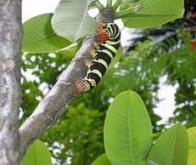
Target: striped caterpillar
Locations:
point(109, 42)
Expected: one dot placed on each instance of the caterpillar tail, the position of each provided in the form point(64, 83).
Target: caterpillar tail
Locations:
point(84, 85)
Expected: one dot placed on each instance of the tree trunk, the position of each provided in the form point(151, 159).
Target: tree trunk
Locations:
point(14, 141)
point(10, 92)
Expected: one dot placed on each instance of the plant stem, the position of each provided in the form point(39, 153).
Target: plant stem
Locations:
point(99, 5)
point(116, 5)
point(109, 4)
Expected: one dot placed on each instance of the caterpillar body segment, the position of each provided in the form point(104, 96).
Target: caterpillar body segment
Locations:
point(109, 42)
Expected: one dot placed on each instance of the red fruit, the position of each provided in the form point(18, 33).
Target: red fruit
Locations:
point(194, 45)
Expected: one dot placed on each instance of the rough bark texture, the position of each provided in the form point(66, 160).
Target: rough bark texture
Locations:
point(10, 93)
point(51, 107)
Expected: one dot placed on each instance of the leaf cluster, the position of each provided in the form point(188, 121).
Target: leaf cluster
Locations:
point(128, 137)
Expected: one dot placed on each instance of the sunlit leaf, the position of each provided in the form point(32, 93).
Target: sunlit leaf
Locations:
point(127, 130)
point(192, 145)
point(171, 148)
point(37, 154)
point(39, 36)
point(101, 160)
point(153, 13)
point(71, 20)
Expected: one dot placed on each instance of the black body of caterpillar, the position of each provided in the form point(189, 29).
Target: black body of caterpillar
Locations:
point(104, 54)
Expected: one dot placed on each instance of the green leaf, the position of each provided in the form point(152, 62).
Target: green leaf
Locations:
point(127, 130)
point(154, 13)
point(39, 36)
point(144, 162)
point(37, 154)
point(171, 148)
point(101, 160)
point(71, 20)
point(192, 145)
point(192, 157)
point(192, 137)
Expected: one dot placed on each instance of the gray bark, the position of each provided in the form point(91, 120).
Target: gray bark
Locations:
point(14, 141)
point(10, 93)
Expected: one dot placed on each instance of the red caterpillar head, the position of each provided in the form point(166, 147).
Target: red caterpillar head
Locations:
point(194, 45)
point(102, 34)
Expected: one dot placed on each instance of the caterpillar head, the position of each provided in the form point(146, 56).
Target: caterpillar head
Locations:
point(103, 34)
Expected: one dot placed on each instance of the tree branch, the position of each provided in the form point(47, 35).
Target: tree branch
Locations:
point(55, 103)
point(10, 92)
point(57, 100)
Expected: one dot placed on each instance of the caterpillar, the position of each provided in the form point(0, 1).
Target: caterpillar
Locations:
point(108, 43)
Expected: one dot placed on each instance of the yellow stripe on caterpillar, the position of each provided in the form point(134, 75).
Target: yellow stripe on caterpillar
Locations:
point(113, 42)
point(102, 62)
point(92, 81)
point(110, 47)
point(97, 72)
point(107, 52)
point(115, 35)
